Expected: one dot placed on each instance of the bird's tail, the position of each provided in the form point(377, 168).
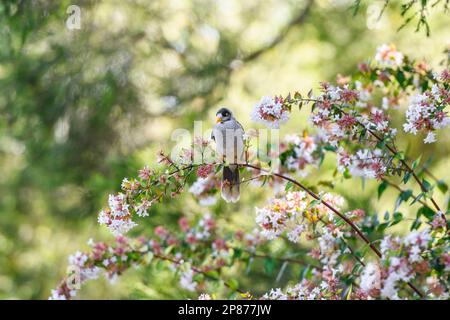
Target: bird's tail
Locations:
point(230, 184)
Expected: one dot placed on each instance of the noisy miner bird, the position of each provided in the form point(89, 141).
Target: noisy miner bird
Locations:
point(229, 137)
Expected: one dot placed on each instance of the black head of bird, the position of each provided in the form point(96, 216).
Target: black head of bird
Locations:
point(223, 115)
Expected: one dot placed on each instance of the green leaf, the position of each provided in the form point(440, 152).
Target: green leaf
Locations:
point(313, 203)
point(328, 184)
point(237, 253)
point(198, 277)
point(380, 144)
point(426, 212)
point(416, 224)
point(347, 174)
point(386, 215)
point(234, 284)
point(168, 250)
point(330, 148)
point(442, 186)
point(416, 162)
point(382, 226)
point(420, 196)
point(397, 218)
point(382, 187)
point(289, 185)
point(269, 265)
point(426, 184)
point(212, 274)
point(406, 177)
point(404, 196)
point(400, 76)
point(306, 273)
point(349, 293)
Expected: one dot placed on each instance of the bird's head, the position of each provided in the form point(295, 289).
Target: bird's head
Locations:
point(223, 115)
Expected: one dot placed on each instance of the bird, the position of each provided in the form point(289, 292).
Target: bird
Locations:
point(228, 134)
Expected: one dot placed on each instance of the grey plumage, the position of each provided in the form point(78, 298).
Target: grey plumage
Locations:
point(228, 134)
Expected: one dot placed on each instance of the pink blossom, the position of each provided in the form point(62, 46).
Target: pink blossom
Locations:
point(205, 170)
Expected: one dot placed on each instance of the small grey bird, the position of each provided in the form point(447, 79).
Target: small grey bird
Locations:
point(229, 137)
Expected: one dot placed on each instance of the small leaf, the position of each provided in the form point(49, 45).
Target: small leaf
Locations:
point(289, 185)
point(382, 187)
point(306, 273)
point(426, 212)
point(400, 76)
point(234, 284)
point(347, 174)
point(328, 184)
point(349, 293)
point(269, 265)
point(420, 196)
point(382, 226)
point(397, 218)
point(416, 224)
point(330, 148)
point(406, 177)
point(212, 274)
point(168, 250)
point(442, 186)
point(404, 196)
point(313, 203)
point(426, 184)
point(237, 253)
point(416, 162)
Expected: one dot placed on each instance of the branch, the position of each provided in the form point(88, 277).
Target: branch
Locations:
point(342, 216)
point(299, 19)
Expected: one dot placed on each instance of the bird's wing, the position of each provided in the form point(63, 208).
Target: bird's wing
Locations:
point(239, 126)
point(212, 135)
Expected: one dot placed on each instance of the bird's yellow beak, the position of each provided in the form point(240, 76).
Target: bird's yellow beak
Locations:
point(218, 119)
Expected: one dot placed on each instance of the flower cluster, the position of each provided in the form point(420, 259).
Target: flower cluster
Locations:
point(426, 112)
point(289, 214)
point(204, 189)
point(328, 289)
point(297, 152)
point(337, 120)
point(138, 195)
point(270, 111)
point(117, 217)
point(389, 56)
point(104, 259)
point(352, 118)
point(195, 250)
point(367, 163)
point(403, 259)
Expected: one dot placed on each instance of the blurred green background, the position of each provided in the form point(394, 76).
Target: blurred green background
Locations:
point(81, 109)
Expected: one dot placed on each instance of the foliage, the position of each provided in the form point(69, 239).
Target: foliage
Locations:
point(412, 10)
point(349, 124)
